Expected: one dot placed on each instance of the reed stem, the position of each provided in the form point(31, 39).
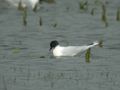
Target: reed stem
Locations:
point(118, 14)
point(88, 55)
point(104, 16)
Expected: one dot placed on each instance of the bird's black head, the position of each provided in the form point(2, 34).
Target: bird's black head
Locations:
point(53, 44)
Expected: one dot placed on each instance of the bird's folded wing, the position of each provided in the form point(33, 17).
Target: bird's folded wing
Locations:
point(73, 50)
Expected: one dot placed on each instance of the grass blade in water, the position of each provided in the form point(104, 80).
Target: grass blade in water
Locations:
point(25, 16)
point(40, 22)
point(88, 55)
point(118, 14)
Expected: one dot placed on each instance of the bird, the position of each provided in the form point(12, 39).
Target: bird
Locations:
point(24, 3)
point(59, 50)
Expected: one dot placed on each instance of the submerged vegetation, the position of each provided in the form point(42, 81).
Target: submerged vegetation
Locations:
point(88, 55)
point(26, 63)
point(92, 11)
point(118, 14)
point(88, 52)
point(25, 17)
point(23, 9)
point(41, 22)
point(83, 5)
point(20, 7)
point(104, 16)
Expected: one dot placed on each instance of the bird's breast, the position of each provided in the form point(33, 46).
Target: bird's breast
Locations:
point(57, 51)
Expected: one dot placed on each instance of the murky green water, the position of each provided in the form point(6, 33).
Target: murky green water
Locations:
point(21, 48)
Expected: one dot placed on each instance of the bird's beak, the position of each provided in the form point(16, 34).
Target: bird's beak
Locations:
point(50, 49)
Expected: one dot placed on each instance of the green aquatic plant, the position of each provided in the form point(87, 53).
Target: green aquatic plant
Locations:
point(88, 52)
point(25, 16)
point(118, 14)
point(40, 21)
point(20, 5)
point(83, 5)
point(104, 16)
point(88, 55)
point(24, 12)
point(92, 11)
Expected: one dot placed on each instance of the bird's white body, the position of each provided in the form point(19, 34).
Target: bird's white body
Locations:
point(25, 3)
point(71, 50)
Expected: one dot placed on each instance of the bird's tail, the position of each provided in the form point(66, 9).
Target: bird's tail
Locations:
point(96, 43)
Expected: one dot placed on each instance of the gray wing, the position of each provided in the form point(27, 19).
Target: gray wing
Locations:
point(73, 50)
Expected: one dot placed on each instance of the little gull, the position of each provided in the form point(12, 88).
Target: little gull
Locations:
point(59, 50)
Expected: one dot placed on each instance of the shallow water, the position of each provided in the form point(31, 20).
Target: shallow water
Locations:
point(25, 60)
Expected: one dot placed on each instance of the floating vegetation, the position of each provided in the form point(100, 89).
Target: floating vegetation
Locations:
point(104, 16)
point(40, 22)
point(118, 15)
point(83, 5)
point(88, 55)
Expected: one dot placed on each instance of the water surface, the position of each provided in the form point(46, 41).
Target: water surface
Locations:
point(25, 60)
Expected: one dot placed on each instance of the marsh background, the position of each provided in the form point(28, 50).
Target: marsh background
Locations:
point(25, 60)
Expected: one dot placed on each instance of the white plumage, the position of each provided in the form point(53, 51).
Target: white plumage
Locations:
point(58, 50)
point(25, 3)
